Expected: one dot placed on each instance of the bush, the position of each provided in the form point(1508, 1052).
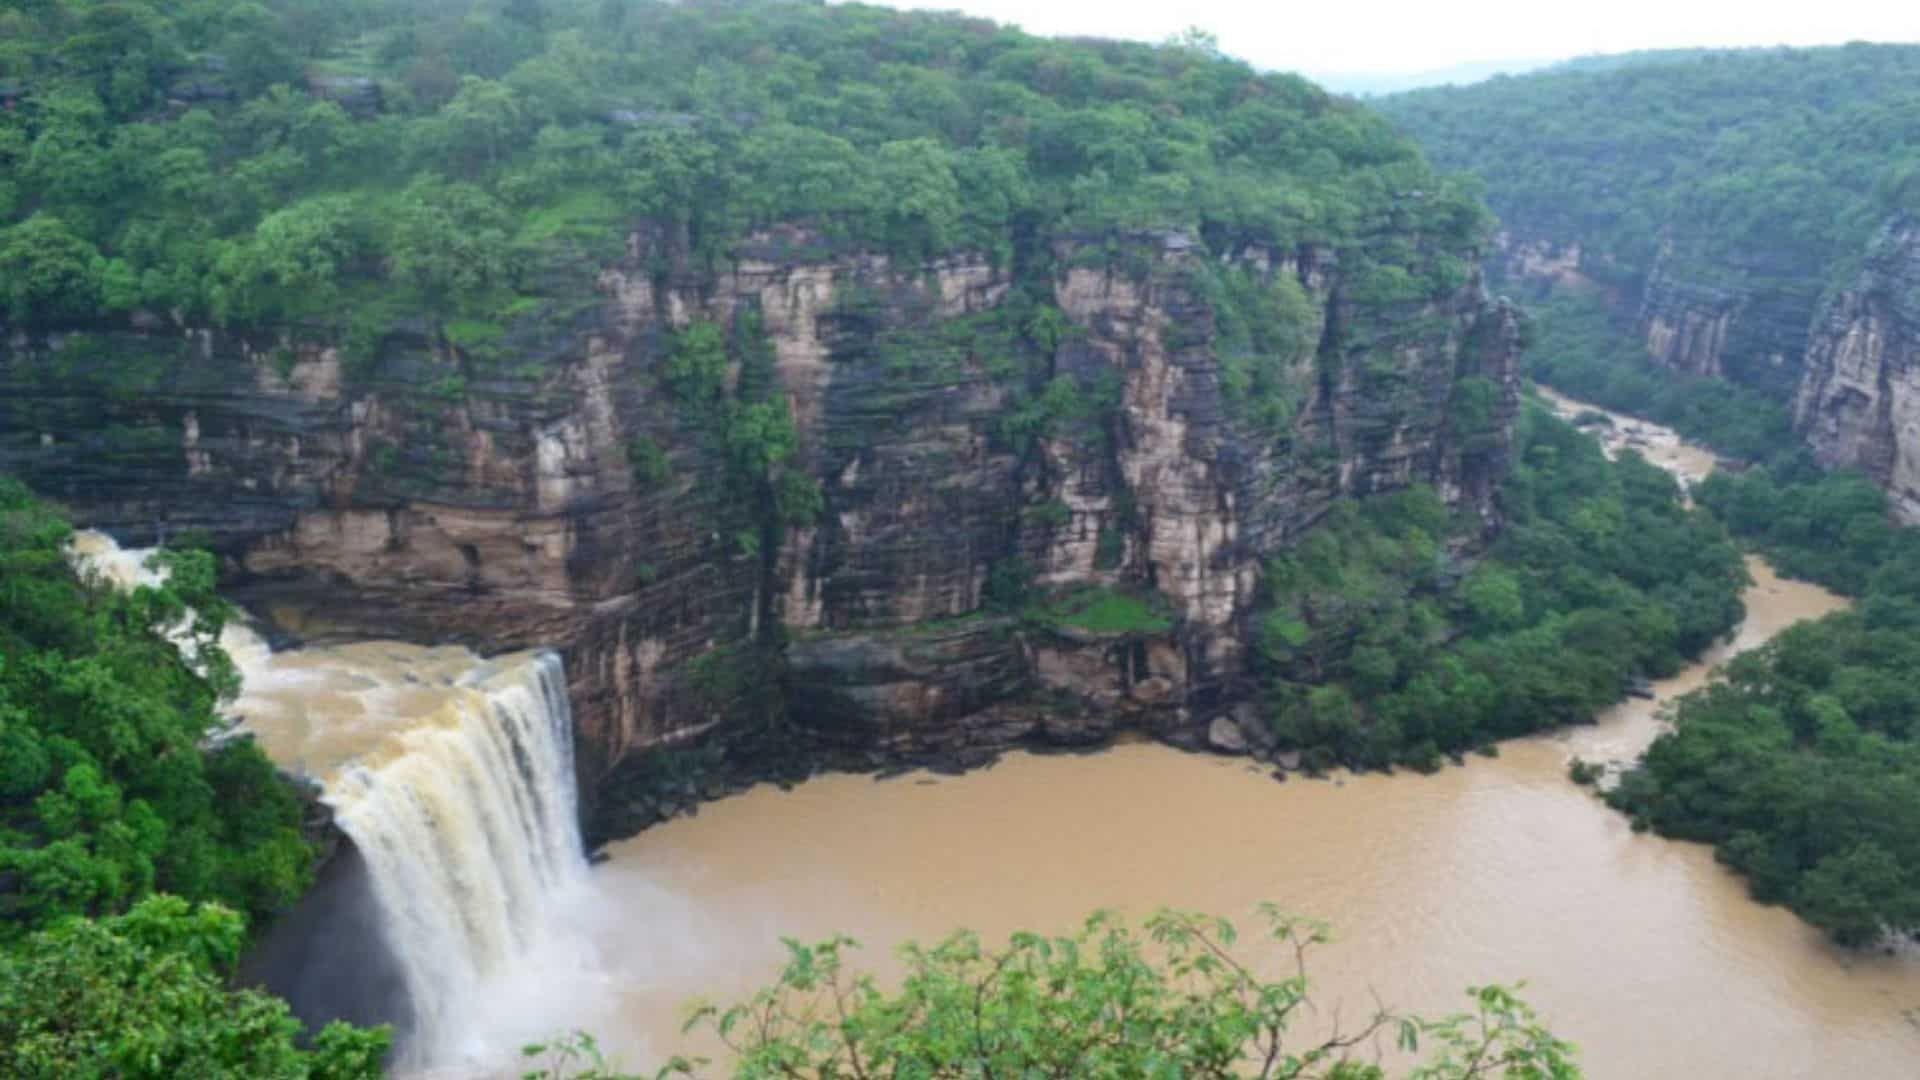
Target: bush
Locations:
point(1173, 997)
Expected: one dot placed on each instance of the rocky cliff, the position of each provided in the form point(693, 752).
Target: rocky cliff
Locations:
point(1859, 404)
point(1752, 331)
point(1746, 325)
point(547, 487)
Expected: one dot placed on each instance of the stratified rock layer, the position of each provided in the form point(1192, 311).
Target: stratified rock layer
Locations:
point(1746, 324)
point(1859, 404)
point(428, 495)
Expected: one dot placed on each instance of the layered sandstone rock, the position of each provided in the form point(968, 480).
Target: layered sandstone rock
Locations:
point(432, 494)
point(1859, 403)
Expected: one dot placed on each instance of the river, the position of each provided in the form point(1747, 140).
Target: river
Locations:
point(1643, 951)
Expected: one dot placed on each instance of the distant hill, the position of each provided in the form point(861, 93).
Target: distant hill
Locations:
point(1647, 57)
point(1767, 162)
point(1373, 83)
point(1721, 197)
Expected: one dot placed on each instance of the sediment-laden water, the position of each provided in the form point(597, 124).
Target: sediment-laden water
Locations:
point(1644, 951)
point(454, 777)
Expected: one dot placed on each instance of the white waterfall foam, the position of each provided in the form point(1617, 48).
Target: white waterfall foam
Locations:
point(454, 776)
point(468, 823)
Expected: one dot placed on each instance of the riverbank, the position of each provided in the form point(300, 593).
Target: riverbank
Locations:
point(1644, 951)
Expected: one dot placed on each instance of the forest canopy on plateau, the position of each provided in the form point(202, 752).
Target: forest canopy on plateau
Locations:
point(341, 167)
point(1747, 167)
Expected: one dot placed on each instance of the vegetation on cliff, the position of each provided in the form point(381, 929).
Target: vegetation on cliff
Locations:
point(109, 786)
point(1746, 168)
point(345, 166)
point(111, 794)
point(1178, 996)
point(1803, 766)
point(1579, 351)
point(145, 995)
point(1379, 647)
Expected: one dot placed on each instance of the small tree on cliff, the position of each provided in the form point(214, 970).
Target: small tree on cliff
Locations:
point(1175, 998)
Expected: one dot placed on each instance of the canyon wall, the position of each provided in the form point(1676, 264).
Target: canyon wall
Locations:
point(1848, 364)
point(1746, 324)
point(545, 488)
point(1859, 404)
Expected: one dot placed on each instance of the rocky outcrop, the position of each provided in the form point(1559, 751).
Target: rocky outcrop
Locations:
point(1859, 403)
point(548, 489)
point(1752, 331)
point(1744, 323)
point(1536, 263)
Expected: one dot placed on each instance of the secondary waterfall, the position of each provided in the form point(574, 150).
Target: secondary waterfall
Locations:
point(454, 776)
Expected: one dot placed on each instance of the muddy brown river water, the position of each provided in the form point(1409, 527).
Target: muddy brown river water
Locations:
point(1643, 951)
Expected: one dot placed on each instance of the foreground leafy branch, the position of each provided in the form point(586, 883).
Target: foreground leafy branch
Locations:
point(1175, 997)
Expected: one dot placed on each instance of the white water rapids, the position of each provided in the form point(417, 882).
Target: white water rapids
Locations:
point(454, 777)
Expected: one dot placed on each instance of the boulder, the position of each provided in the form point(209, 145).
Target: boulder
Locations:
point(357, 95)
point(1224, 735)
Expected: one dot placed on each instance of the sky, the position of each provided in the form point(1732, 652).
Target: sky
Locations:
point(1376, 36)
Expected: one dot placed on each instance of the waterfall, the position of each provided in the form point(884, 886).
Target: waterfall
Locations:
point(467, 821)
point(454, 777)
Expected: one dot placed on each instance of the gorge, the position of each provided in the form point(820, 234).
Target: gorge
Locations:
point(670, 476)
point(1747, 215)
point(1497, 868)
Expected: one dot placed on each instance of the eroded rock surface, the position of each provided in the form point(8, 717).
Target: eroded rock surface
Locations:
point(432, 494)
point(1859, 404)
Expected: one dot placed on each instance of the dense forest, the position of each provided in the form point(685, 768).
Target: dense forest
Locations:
point(1747, 167)
point(1381, 648)
point(1803, 766)
point(117, 810)
point(1581, 351)
point(344, 167)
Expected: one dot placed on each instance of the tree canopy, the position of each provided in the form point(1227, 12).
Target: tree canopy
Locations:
point(1802, 767)
point(143, 995)
point(283, 161)
point(1379, 644)
point(109, 786)
point(1744, 167)
point(1180, 995)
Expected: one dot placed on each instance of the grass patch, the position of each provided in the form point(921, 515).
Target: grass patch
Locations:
point(1108, 611)
point(581, 215)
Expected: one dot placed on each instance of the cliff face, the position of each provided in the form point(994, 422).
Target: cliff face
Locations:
point(1859, 404)
point(553, 492)
point(1747, 325)
point(1751, 334)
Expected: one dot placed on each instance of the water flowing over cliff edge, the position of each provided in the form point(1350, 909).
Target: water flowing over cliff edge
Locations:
point(453, 776)
point(572, 501)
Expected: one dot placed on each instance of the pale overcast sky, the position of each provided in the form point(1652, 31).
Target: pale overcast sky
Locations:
point(1383, 36)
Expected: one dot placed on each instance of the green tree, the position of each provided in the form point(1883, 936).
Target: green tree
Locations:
point(1858, 894)
point(1493, 596)
point(921, 211)
point(143, 995)
point(292, 262)
point(1178, 996)
point(47, 274)
point(479, 125)
point(449, 241)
